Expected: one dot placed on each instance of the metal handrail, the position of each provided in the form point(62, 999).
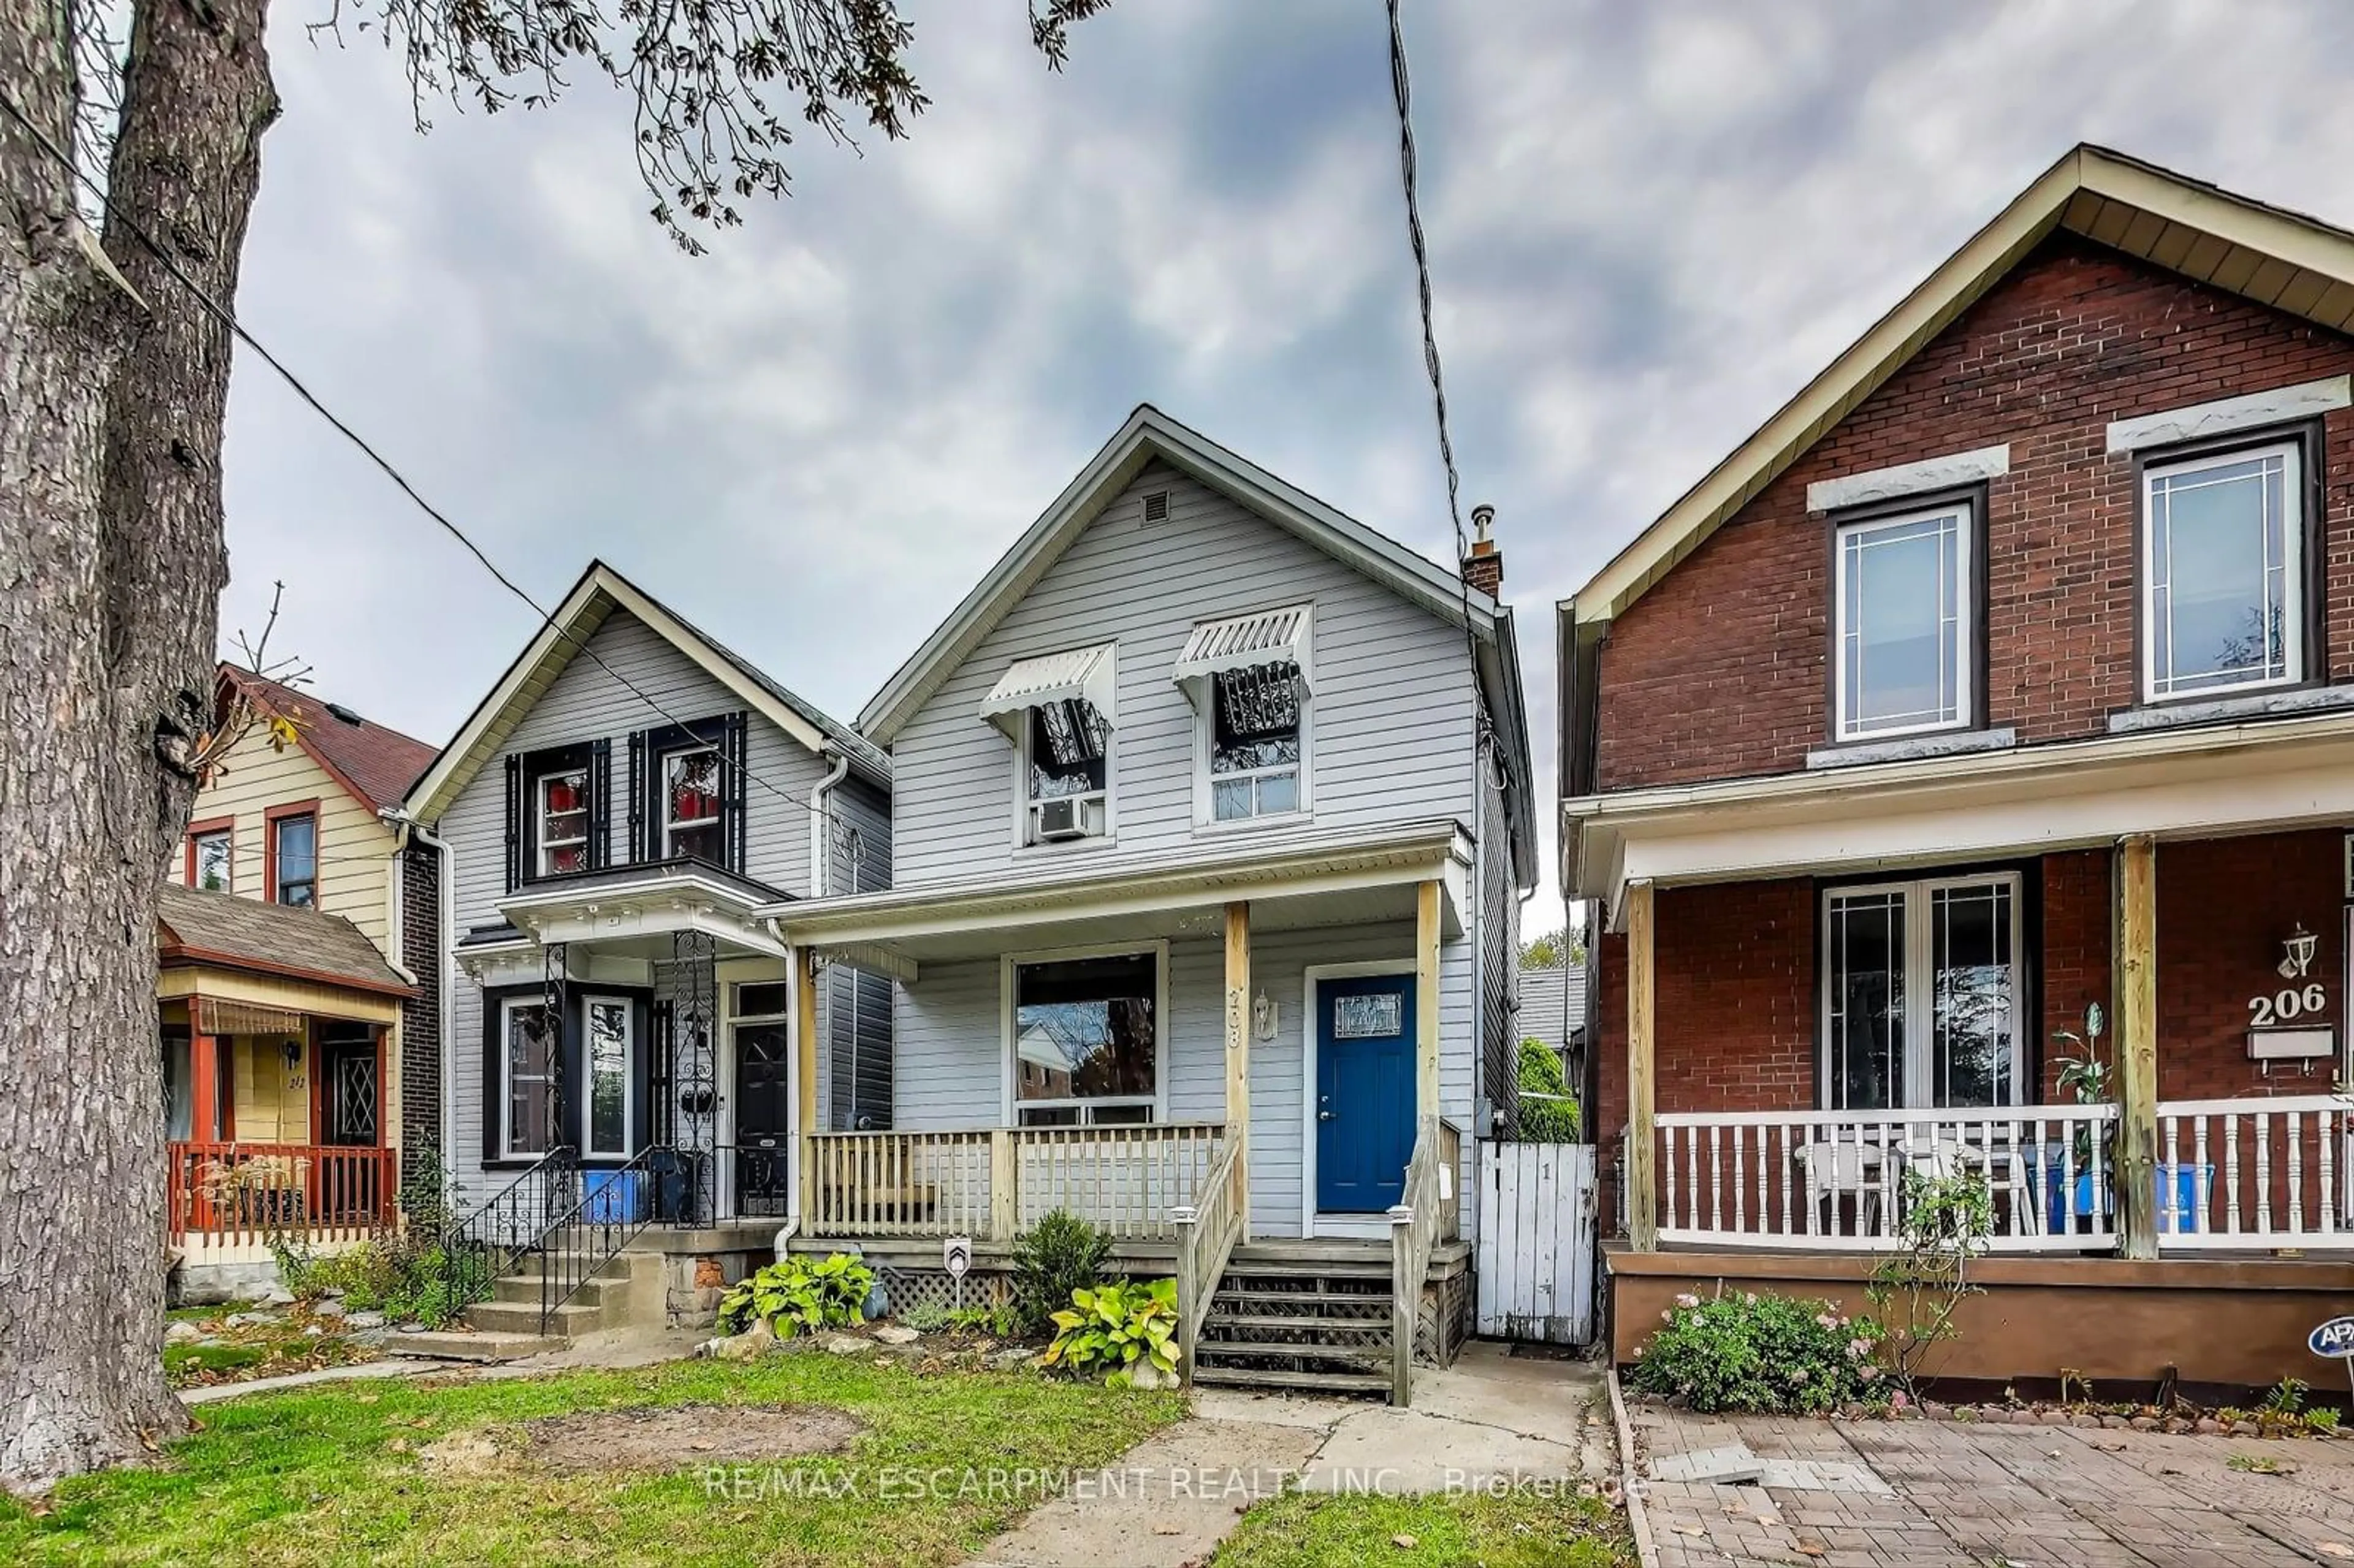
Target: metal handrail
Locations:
point(609, 1213)
point(508, 1226)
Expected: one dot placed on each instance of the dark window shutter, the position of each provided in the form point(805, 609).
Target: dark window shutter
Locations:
point(600, 805)
point(636, 825)
point(514, 823)
point(731, 790)
point(495, 1108)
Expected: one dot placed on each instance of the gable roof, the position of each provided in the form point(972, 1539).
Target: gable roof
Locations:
point(374, 763)
point(600, 592)
point(2274, 257)
point(1149, 435)
point(193, 926)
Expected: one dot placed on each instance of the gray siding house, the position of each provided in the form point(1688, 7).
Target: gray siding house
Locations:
point(619, 811)
point(1211, 820)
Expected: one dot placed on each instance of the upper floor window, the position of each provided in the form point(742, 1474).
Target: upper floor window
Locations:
point(1247, 680)
point(2224, 570)
point(690, 804)
point(294, 858)
point(1059, 711)
point(1087, 1040)
point(209, 855)
point(561, 817)
point(1903, 643)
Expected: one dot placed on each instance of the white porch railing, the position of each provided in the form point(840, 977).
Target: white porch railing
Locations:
point(1835, 1180)
point(2254, 1173)
point(994, 1182)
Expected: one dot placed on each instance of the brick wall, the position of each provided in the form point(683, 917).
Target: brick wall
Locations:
point(1736, 981)
point(1720, 671)
point(420, 1015)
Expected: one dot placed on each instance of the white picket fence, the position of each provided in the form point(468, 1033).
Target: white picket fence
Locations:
point(1536, 1250)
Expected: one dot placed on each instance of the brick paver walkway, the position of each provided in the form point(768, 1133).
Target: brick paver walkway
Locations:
point(1975, 1495)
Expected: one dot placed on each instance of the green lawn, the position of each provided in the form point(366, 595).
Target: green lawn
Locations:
point(332, 1476)
point(1520, 1530)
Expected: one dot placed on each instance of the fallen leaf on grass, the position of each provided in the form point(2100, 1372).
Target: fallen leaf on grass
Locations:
point(1403, 1542)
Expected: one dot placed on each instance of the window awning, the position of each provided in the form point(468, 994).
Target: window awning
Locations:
point(1087, 674)
point(1244, 642)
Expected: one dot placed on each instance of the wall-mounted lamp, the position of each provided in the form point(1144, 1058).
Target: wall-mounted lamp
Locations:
point(2296, 952)
point(1263, 1017)
point(293, 1053)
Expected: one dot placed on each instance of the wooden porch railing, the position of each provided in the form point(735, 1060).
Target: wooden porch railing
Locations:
point(1835, 1180)
point(993, 1183)
point(222, 1195)
point(1430, 1211)
point(1207, 1234)
point(2254, 1173)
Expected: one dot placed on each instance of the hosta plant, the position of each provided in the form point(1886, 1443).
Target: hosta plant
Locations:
point(798, 1293)
point(1126, 1330)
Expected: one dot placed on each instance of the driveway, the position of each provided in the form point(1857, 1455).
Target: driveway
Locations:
point(1943, 1494)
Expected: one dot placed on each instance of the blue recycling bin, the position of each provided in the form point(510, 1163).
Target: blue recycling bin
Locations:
point(613, 1197)
point(2177, 1186)
point(2178, 1210)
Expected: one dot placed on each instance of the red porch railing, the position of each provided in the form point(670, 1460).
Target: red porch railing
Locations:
point(232, 1193)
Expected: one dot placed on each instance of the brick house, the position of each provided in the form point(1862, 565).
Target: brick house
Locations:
point(2006, 674)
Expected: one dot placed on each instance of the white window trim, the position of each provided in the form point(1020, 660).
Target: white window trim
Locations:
point(1920, 1005)
point(1023, 804)
point(1965, 621)
point(1011, 1106)
point(2292, 543)
point(507, 1007)
point(586, 813)
point(629, 1077)
point(1206, 816)
point(670, 827)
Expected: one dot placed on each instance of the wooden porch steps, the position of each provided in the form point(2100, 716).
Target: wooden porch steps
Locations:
point(1311, 1316)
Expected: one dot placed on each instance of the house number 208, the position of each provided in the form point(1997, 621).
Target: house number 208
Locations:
point(2286, 1006)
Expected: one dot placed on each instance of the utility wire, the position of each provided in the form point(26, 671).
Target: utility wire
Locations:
point(1402, 90)
point(236, 329)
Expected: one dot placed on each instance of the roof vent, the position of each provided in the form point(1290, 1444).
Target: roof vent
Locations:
point(345, 713)
point(1156, 506)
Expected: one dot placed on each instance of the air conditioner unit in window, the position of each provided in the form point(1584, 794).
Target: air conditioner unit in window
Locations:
point(1061, 819)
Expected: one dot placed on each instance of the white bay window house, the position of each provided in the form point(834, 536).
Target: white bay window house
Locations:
point(1210, 816)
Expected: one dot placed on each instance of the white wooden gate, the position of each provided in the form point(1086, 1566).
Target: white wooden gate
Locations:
point(1536, 1240)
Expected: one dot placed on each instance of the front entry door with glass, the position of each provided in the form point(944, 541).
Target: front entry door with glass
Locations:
point(1920, 995)
point(764, 1118)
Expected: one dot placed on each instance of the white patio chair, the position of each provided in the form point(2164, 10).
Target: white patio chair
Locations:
point(1833, 1169)
point(1943, 1155)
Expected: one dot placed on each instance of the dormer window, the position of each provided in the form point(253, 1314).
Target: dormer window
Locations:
point(1059, 711)
point(1247, 678)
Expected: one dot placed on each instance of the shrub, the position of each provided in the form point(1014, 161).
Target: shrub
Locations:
point(1545, 1120)
point(925, 1318)
point(798, 1293)
point(1768, 1355)
point(1063, 1254)
point(407, 1280)
point(999, 1322)
point(1127, 1330)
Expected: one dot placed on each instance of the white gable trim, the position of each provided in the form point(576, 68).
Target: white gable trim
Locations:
point(1148, 434)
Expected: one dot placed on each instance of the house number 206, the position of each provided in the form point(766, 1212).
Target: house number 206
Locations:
point(2286, 1006)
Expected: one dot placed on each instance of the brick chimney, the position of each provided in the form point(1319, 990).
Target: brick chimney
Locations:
point(1484, 567)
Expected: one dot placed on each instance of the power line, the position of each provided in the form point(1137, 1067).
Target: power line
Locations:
point(1403, 92)
point(236, 329)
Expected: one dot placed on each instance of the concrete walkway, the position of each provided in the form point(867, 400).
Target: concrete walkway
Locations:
point(1943, 1494)
point(1172, 1498)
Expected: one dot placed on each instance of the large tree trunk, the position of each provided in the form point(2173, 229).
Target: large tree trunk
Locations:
point(111, 569)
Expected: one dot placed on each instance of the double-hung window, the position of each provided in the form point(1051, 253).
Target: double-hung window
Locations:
point(208, 858)
point(1248, 679)
point(561, 814)
point(610, 1051)
point(1904, 659)
point(1059, 711)
point(1087, 1040)
point(2223, 572)
point(1920, 995)
point(527, 1069)
point(294, 859)
point(691, 821)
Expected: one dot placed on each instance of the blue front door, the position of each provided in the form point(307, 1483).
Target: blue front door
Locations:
point(1364, 1092)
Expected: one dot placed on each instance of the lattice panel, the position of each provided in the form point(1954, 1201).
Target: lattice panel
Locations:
point(909, 1287)
point(1445, 1320)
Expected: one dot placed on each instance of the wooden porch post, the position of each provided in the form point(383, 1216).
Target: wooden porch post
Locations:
point(805, 1073)
point(1238, 1038)
point(204, 1087)
point(2136, 1050)
point(1642, 1104)
point(1425, 1001)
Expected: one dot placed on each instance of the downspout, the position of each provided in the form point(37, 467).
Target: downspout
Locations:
point(821, 880)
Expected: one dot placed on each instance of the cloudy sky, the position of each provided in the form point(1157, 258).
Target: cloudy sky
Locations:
point(1648, 224)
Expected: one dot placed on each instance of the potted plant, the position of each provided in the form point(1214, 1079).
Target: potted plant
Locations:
point(2088, 1081)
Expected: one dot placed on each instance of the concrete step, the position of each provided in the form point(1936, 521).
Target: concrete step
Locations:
point(523, 1318)
point(1308, 1382)
point(523, 1289)
point(532, 1265)
point(457, 1345)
